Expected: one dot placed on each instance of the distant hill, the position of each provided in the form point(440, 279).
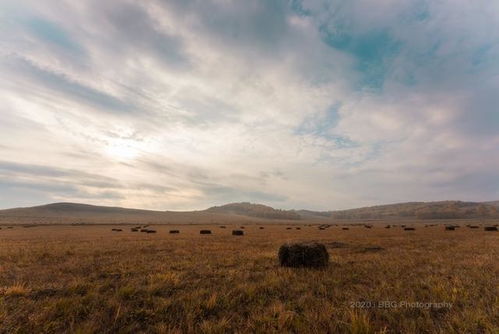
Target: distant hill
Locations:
point(255, 210)
point(493, 203)
point(421, 210)
point(244, 212)
point(314, 215)
point(80, 209)
point(75, 213)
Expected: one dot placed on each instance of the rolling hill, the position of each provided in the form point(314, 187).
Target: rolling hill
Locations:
point(244, 212)
point(421, 210)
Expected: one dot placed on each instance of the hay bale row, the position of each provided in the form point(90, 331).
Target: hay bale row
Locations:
point(174, 232)
point(490, 228)
point(145, 230)
point(309, 255)
point(116, 230)
point(205, 232)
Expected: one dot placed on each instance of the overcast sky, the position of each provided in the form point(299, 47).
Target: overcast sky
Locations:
point(296, 104)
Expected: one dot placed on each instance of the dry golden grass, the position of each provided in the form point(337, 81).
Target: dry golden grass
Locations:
point(88, 279)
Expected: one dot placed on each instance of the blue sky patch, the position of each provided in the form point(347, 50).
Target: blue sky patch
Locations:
point(50, 32)
point(373, 51)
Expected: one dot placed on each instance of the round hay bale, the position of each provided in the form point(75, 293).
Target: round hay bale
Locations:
point(308, 255)
point(345, 228)
point(237, 232)
point(298, 228)
point(288, 228)
point(205, 232)
point(409, 229)
point(151, 231)
point(388, 226)
point(261, 227)
point(450, 228)
point(174, 231)
point(490, 228)
point(473, 226)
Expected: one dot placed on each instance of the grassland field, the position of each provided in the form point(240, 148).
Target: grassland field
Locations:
point(89, 279)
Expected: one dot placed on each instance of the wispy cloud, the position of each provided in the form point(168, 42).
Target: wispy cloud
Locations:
point(187, 104)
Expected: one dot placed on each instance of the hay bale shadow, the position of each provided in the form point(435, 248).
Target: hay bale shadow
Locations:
point(372, 249)
point(336, 244)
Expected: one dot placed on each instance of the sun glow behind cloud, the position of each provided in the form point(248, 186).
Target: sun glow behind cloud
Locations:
point(122, 149)
point(185, 104)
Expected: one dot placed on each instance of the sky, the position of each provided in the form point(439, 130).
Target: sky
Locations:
point(185, 104)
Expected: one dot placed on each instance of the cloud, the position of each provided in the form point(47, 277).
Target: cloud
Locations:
point(298, 104)
point(60, 85)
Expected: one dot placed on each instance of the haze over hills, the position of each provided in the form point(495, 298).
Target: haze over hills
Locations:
point(84, 213)
point(255, 210)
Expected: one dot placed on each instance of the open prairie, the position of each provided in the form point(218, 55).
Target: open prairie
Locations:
point(90, 279)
